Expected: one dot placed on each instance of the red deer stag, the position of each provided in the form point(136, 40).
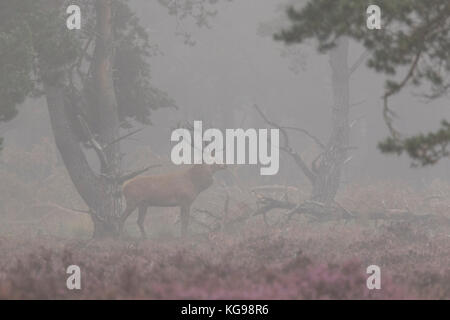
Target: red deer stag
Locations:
point(177, 189)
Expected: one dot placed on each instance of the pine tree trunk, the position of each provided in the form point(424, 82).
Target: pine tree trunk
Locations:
point(92, 188)
point(329, 169)
point(100, 191)
point(106, 125)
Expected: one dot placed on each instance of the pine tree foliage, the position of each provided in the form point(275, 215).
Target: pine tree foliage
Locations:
point(411, 48)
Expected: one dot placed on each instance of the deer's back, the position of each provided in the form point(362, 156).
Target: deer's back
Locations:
point(160, 190)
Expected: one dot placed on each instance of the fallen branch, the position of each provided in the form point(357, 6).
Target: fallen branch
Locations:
point(207, 212)
point(57, 206)
point(268, 204)
point(272, 188)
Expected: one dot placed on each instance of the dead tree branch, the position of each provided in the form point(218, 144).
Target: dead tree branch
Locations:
point(123, 137)
point(306, 132)
point(94, 143)
point(287, 147)
point(267, 204)
point(358, 62)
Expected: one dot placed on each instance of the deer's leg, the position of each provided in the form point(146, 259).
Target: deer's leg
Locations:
point(184, 216)
point(141, 219)
point(128, 210)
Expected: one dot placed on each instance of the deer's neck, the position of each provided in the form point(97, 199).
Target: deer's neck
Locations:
point(201, 180)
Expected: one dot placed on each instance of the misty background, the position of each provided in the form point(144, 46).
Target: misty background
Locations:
point(234, 64)
point(310, 231)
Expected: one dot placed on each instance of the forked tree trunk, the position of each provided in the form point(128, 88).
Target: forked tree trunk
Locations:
point(93, 189)
point(329, 169)
point(100, 191)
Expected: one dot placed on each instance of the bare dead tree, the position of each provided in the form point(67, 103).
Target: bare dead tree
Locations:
point(316, 208)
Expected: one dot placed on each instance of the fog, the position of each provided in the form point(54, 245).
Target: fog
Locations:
point(217, 74)
point(232, 66)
